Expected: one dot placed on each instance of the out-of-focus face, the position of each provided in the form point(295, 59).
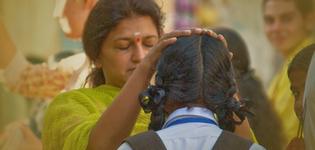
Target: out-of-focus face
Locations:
point(284, 25)
point(72, 15)
point(76, 12)
point(297, 79)
point(125, 47)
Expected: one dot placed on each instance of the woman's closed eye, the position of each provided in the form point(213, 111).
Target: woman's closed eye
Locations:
point(150, 42)
point(122, 44)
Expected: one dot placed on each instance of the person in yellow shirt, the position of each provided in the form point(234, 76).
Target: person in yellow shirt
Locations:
point(287, 24)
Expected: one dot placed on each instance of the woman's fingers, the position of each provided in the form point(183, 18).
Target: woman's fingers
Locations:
point(194, 31)
point(221, 37)
point(165, 40)
point(197, 31)
point(164, 43)
point(209, 32)
point(158, 48)
point(155, 53)
point(170, 38)
point(176, 33)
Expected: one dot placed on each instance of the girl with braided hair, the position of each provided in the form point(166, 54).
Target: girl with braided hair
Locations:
point(193, 103)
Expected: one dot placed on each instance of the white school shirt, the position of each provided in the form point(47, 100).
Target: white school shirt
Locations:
point(190, 136)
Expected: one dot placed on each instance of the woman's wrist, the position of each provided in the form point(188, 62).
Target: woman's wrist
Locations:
point(146, 69)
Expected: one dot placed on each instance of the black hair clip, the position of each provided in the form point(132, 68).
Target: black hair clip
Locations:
point(151, 98)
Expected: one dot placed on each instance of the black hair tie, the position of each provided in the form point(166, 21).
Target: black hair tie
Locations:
point(151, 98)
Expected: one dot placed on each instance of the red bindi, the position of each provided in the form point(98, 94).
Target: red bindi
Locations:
point(137, 39)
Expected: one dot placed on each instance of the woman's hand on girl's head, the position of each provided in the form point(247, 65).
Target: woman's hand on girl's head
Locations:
point(209, 32)
point(150, 60)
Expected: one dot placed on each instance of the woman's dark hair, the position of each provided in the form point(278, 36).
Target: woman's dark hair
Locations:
point(302, 60)
point(105, 16)
point(251, 88)
point(304, 6)
point(195, 68)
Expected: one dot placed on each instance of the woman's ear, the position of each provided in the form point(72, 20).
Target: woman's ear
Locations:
point(98, 63)
point(161, 32)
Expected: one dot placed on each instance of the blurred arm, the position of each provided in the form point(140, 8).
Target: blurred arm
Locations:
point(7, 48)
point(28, 80)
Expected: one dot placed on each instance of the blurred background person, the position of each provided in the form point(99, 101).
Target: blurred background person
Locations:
point(251, 88)
point(288, 26)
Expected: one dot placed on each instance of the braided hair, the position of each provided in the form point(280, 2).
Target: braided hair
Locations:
point(194, 68)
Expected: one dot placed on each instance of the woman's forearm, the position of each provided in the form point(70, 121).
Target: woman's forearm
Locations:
point(117, 122)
